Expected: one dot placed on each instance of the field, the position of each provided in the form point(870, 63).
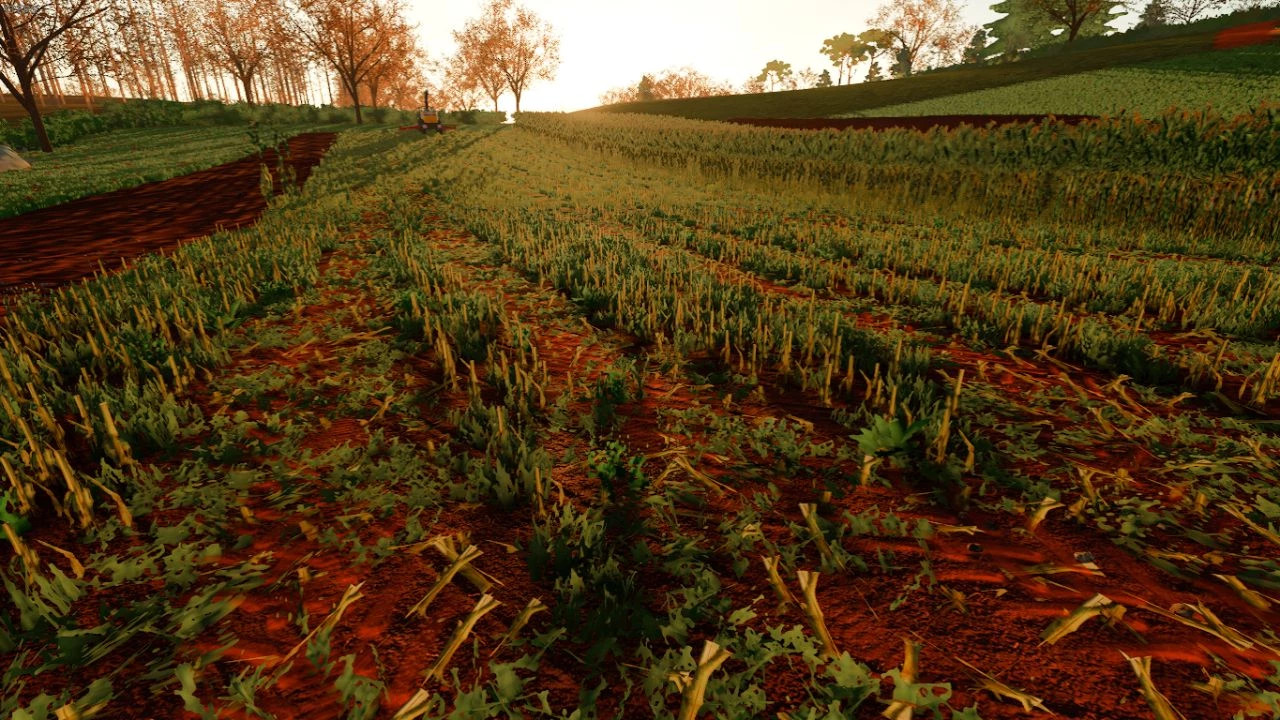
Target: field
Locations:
point(112, 161)
point(1229, 81)
point(1087, 56)
point(77, 239)
point(618, 416)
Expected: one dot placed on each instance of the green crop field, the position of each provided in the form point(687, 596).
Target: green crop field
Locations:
point(118, 159)
point(622, 416)
point(1229, 81)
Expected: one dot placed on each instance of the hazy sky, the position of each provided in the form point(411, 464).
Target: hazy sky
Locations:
point(610, 43)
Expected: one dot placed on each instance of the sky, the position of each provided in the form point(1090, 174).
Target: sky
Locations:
point(606, 44)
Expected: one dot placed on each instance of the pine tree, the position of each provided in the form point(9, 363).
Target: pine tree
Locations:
point(1021, 28)
point(1155, 14)
point(644, 90)
point(976, 52)
point(1025, 26)
point(874, 72)
point(824, 80)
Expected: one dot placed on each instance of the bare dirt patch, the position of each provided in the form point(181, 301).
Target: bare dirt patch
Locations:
point(58, 245)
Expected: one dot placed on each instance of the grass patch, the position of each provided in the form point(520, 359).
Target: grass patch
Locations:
point(113, 161)
point(1231, 82)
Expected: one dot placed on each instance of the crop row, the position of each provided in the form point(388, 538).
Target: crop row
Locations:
point(1229, 192)
point(628, 265)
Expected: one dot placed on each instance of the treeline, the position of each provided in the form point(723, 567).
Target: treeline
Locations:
point(908, 36)
point(357, 53)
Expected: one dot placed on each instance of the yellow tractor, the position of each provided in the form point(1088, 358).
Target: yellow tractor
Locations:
point(428, 119)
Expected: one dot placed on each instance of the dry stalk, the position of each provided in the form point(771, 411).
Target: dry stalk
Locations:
point(447, 546)
point(713, 656)
point(869, 463)
point(25, 494)
point(30, 562)
point(349, 598)
point(1160, 705)
point(810, 513)
point(785, 598)
point(460, 562)
point(1098, 605)
point(482, 608)
point(809, 588)
point(901, 709)
point(944, 434)
point(419, 705)
point(79, 493)
point(77, 568)
point(118, 446)
point(532, 608)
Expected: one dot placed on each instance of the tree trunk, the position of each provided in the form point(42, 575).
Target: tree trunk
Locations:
point(247, 80)
point(28, 101)
point(1074, 29)
point(354, 90)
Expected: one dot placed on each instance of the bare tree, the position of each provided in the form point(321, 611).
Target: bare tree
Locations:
point(29, 35)
point(1185, 11)
point(348, 36)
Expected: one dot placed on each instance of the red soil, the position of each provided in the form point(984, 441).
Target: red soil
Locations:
point(57, 245)
point(922, 123)
point(1251, 34)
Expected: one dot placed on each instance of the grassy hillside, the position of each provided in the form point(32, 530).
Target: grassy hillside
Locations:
point(1230, 81)
point(1100, 54)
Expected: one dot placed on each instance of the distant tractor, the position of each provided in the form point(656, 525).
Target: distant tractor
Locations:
point(428, 119)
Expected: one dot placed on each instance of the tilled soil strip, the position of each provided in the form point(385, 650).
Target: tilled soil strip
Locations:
point(61, 244)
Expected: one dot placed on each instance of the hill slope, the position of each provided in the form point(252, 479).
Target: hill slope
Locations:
point(1099, 55)
point(1231, 82)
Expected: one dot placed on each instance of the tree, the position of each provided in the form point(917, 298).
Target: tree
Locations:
point(644, 89)
point(678, 83)
point(878, 43)
point(479, 47)
point(845, 51)
point(399, 62)
point(30, 36)
point(874, 72)
point(1022, 27)
point(806, 79)
point(902, 63)
point(975, 53)
point(775, 73)
point(348, 36)
point(1185, 11)
point(824, 79)
point(1155, 14)
point(686, 83)
point(1028, 24)
point(528, 49)
point(1072, 15)
point(927, 32)
point(236, 38)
